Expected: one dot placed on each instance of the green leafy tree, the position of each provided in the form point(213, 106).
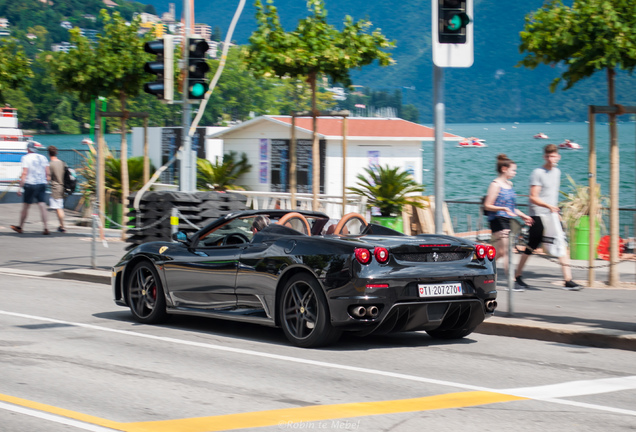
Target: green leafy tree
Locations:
point(114, 67)
point(587, 37)
point(313, 49)
point(15, 67)
point(221, 176)
point(388, 189)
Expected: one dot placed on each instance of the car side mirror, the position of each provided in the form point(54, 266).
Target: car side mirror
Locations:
point(180, 237)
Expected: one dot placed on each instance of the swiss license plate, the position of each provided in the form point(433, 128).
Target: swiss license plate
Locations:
point(448, 289)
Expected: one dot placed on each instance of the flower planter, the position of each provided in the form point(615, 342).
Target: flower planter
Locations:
point(393, 222)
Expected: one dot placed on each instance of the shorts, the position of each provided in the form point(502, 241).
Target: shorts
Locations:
point(56, 203)
point(499, 223)
point(535, 235)
point(34, 193)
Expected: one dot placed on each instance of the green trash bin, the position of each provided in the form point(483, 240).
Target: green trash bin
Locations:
point(580, 239)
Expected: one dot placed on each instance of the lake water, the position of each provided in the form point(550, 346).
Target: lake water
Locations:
point(469, 171)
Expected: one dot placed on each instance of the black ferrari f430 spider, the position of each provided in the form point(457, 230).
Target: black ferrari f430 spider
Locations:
point(312, 277)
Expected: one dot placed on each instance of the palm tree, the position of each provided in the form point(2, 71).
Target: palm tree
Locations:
point(387, 189)
point(221, 176)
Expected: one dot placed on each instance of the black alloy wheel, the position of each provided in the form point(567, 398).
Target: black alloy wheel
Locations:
point(145, 294)
point(304, 313)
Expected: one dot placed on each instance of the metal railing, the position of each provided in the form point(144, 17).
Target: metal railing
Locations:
point(467, 216)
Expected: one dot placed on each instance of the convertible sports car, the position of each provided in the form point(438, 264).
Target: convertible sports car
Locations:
point(312, 277)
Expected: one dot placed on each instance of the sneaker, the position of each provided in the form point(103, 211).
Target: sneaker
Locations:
point(46, 232)
point(61, 229)
point(520, 285)
point(571, 286)
point(16, 229)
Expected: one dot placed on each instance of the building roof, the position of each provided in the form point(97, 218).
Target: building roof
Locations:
point(358, 128)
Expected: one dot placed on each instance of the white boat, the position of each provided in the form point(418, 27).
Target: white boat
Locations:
point(13, 145)
point(540, 135)
point(569, 145)
point(472, 142)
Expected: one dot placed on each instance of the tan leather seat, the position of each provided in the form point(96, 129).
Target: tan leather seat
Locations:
point(351, 223)
point(295, 221)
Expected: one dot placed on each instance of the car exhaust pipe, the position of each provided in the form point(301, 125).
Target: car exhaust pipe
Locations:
point(357, 311)
point(491, 305)
point(373, 311)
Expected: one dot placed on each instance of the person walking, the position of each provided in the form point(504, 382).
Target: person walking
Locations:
point(500, 205)
point(57, 168)
point(545, 183)
point(34, 178)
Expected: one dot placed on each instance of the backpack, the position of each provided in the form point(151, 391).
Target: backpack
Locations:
point(70, 180)
point(486, 212)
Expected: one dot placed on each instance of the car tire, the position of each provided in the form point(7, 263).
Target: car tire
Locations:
point(304, 313)
point(451, 334)
point(145, 294)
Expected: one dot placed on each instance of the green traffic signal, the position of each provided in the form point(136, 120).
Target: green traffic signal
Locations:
point(197, 90)
point(457, 22)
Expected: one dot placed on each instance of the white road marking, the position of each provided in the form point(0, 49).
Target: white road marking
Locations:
point(575, 388)
point(53, 418)
point(549, 393)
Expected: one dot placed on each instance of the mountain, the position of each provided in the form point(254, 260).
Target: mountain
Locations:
point(493, 89)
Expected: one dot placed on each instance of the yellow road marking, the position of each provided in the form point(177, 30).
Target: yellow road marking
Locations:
point(282, 416)
point(321, 412)
point(62, 412)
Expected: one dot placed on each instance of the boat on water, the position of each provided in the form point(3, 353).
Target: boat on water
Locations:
point(13, 145)
point(569, 145)
point(540, 135)
point(472, 142)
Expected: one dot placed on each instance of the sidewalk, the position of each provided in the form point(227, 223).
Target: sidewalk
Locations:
point(601, 316)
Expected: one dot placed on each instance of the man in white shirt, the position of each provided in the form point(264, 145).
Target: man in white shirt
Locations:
point(544, 199)
point(35, 177)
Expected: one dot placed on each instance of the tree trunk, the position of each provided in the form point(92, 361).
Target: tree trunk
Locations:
point(614, 179)
point(123, 157)
point(315, 180)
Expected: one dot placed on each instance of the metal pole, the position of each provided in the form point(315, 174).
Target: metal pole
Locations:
point(174, 221)
point(94, 232)
point(511, 271)
point(439, 113)
point(146, 158)
point(593, 203)
point(100, 168)
point(186, 152)
point(344, 165)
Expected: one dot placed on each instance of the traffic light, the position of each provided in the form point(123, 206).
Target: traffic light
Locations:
point(197, 68)
point(163, 67)
point(452, 21)
point(452, 33)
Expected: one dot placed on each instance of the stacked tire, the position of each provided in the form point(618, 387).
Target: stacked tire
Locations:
point(151, 222)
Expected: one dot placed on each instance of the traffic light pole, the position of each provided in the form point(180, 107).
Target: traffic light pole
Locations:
point(186, 172)
point(439, 114)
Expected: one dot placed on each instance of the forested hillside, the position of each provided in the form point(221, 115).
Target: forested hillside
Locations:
point(493, 89)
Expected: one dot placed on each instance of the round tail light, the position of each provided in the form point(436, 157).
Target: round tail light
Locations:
point(491, 252)
point(363, 255)
point(480, 250)
point(381, 255)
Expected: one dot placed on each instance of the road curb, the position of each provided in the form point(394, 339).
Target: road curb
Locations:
point(88, 275)
point(80, 275)
point(560, 333)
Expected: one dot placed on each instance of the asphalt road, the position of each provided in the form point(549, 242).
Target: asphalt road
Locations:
point(72, 360)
